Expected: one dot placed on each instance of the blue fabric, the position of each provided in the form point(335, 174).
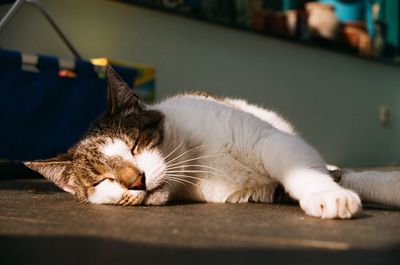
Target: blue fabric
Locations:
point(41, 113)
point(6, 1)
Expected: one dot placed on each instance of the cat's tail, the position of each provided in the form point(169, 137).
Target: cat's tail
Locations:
point(372, 186)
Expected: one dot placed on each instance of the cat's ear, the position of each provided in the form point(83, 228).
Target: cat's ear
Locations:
point(120, 97)
point(54, 169)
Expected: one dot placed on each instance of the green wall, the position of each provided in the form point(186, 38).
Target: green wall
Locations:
point(332, 99)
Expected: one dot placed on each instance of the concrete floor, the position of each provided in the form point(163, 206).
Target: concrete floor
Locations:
point(41, 225)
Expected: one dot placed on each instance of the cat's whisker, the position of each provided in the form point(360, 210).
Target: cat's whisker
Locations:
point(184, 176)
point(166, 182)
point(176, 180)
point(180, 180)
point(173, 151)
point(157, 167)
point(191, 171)
point(193, 159)
point(184, 153)
point(162, 162)
point(179, 164)
point(184, 182)
point(198, 165)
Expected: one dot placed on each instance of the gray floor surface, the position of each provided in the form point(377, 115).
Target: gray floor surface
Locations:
point(39, 224)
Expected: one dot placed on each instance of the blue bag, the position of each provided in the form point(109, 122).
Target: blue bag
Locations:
point(41, 113)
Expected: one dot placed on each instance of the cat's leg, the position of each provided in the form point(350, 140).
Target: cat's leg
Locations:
point(112, 192)
point(139, 197)
point(303, 173)
point(157, 197)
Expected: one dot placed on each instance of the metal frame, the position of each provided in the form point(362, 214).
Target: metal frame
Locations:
point(39, 6)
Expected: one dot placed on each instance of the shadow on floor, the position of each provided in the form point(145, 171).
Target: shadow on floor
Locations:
point(91, 250)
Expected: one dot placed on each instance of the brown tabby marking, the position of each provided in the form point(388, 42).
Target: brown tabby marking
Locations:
point(84, 165)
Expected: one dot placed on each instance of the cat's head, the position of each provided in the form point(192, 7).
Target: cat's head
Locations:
point(119, 152)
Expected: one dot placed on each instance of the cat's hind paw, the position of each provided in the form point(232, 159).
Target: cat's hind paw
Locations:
point(338, 203)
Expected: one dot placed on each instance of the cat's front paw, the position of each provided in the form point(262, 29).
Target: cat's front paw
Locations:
point(336, 203)
point(157, 198)
point(132, 197)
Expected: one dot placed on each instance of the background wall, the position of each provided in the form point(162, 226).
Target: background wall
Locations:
point(332, 99)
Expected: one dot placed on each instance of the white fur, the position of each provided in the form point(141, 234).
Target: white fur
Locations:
point(266, 115)
point(152, 163)
point(256, 150)
point(107, 192)
point(117, 147)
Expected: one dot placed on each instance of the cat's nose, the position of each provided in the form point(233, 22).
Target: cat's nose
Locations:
point(140, 182)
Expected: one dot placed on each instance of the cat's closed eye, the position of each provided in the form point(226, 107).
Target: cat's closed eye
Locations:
point(101, 181)
point(135, 148)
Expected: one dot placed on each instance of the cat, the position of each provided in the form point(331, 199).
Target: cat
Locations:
point(196, 147)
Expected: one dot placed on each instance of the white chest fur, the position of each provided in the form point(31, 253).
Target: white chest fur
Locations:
point(208, 124)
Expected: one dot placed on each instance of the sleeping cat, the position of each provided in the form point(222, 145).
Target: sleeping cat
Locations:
point(195, 147)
